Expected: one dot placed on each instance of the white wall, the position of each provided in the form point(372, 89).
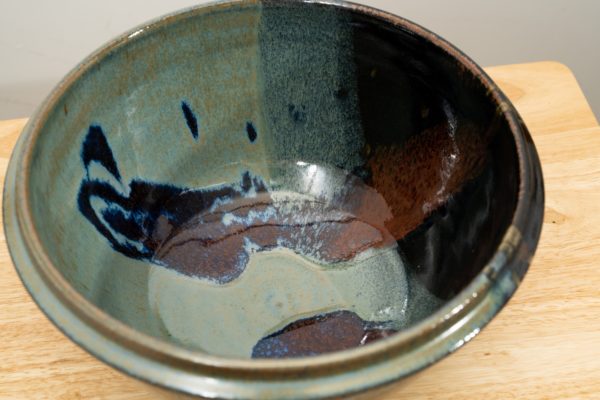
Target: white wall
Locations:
point(40, 41)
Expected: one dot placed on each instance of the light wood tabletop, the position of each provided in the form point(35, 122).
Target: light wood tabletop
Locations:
point(545, 344)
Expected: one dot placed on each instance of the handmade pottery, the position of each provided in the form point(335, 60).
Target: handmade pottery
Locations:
point(274, 199)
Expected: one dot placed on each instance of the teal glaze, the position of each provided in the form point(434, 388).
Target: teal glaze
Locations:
point(280, 90)
point(309, 85)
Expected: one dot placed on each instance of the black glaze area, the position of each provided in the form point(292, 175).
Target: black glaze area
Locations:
point(407, 87)
point(457, 240)
point(190, 119)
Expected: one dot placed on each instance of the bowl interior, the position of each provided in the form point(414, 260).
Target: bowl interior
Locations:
point(272, 180)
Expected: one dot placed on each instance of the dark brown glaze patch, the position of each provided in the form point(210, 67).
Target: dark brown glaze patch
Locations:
point(457, 240)
point(217, 244)
point(419, 176)
point(340, 330)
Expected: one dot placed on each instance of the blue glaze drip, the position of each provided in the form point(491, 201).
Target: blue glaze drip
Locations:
point(136, 224)
point(190, 118)
point(124, 222)
point(251, 131)
point(95, 148)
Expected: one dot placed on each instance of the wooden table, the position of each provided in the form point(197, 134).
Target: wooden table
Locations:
point(544, 345)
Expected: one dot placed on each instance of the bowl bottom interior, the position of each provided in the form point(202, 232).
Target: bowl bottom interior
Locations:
point(294, 262)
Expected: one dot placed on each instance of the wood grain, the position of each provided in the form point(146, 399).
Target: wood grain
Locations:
point(547, 95)
point(544, 345)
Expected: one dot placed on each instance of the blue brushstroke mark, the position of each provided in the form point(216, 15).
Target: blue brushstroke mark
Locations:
point(190, 118)
point(95, 148)
point(130, 222)
point(251, 131)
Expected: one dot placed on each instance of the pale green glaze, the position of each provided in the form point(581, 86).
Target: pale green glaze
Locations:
point(276, 288)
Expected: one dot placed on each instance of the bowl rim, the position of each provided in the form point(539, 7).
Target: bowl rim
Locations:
point(459, 314)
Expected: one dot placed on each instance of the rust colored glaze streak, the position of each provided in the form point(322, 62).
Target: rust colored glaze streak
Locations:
point(420, 175)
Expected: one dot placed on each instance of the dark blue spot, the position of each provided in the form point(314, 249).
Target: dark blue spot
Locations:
point(190, 118)
point(95, 148)
point(298, 114)
point(251, 131)
point(341, 93)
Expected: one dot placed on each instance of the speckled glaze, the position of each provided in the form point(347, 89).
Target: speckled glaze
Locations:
point(274, 179)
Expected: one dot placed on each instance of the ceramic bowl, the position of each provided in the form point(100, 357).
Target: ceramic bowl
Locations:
point(274, 199)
